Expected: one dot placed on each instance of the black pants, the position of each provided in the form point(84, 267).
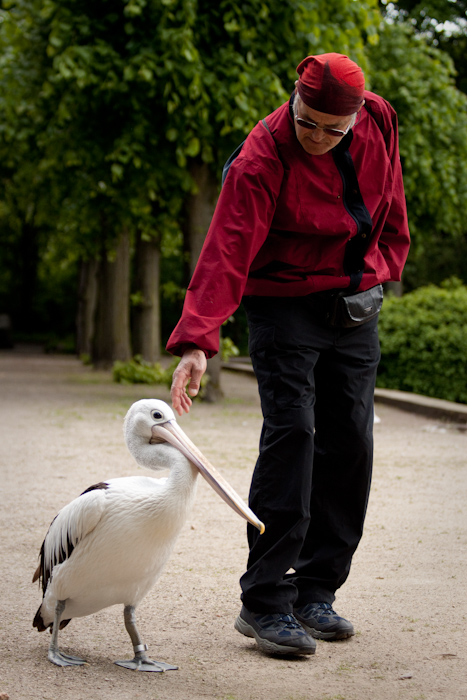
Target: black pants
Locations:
point(312, 478)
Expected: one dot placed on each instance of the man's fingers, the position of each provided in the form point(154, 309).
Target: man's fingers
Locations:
point(184, 404)
point(181, 403)
point(180, 400)
point(193, 387)
point(190, 369)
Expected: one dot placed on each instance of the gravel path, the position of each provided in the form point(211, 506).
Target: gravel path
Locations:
point(61, 430)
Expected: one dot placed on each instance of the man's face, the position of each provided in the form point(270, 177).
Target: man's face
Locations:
point(316, 141)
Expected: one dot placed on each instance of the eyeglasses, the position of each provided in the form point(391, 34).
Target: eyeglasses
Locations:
point(330, 132)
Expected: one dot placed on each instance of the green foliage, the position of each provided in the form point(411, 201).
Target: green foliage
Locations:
point(443, 24)
point(424, 342)
point(105, 106)
point(228, 349)
point(139, 371)
point(418, 80)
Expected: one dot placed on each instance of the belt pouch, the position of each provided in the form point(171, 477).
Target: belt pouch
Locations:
point(356, 309)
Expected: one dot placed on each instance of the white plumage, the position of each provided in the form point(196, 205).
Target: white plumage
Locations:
point(110, 545)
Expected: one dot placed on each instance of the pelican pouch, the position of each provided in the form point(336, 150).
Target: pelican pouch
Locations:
point(355, 309)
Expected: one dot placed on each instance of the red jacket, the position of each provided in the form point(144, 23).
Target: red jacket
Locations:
point(280, 226)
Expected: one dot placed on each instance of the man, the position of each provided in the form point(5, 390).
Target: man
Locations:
point(310, 221)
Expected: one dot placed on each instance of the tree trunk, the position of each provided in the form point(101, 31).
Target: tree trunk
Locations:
point(147, 313)
point(87, 298)
point(212, 392)
point(394, 287)
point(112, 336)
point(199, 210)
point(29, 263)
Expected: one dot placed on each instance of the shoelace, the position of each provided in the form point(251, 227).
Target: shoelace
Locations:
point(288, 620)
point(326, 609)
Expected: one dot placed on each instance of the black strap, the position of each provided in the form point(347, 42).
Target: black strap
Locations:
point(232, 157)
point(229, 162)
point(353, 201)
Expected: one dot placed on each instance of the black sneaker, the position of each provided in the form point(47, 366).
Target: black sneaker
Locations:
point(322, 622)
point(276, 633)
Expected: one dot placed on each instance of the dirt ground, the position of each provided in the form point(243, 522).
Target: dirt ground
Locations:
point(61, 431)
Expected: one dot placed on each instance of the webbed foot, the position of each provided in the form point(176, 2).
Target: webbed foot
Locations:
point(146, 664)
point(141, 662)
point(60, 659)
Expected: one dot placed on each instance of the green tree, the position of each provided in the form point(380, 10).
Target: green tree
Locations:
point(97, 132)
point(418, 80)
point(27, 193)
point(136, 105)
point(443, 23)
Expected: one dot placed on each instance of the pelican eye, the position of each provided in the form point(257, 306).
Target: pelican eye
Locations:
point(157, 415)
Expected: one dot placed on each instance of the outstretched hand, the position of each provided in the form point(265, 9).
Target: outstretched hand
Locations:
point(190, 369)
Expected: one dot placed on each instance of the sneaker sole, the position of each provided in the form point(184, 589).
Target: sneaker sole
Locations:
point(265, 644)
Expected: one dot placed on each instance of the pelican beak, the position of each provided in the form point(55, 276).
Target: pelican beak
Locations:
point(172, 433)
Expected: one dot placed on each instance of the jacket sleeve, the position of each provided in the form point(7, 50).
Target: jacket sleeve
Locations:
point(394, 241)
point(239, 227)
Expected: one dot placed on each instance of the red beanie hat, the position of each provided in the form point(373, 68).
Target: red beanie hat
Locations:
point(331, 83)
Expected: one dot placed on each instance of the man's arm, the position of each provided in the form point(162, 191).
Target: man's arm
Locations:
point(394, 240)
point(240, 225)
point(190, 369)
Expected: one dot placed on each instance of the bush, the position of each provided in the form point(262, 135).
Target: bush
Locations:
point(139, 371)
point(424, 342)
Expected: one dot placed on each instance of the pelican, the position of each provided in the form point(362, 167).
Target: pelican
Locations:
point(110, 545)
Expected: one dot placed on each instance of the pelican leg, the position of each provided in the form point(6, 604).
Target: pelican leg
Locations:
point(141, 662)
point(55, 655)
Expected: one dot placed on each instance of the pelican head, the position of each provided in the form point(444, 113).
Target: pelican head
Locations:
point(150, 422)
